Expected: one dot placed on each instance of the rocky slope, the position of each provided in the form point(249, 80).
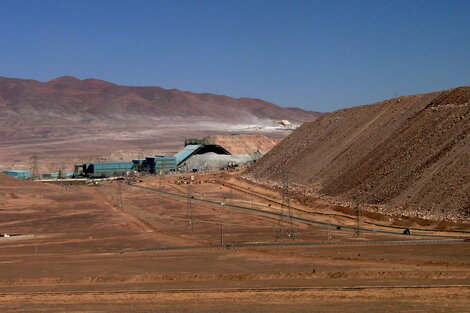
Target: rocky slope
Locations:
point(409, 155)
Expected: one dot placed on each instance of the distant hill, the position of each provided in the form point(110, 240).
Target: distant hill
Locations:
point(71, 99)
point(409, 155)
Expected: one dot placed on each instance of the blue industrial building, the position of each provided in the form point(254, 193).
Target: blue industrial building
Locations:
point(155, 164)
point(159, 163)
point(106, 169)
point(56, 175)
point(18, 174)
point(151, 164)
point(50, 175)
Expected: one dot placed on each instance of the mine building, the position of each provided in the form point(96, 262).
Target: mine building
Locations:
point(57, 175)
point(18, 174)
point(215, 152)
point(105, 169)
point(155, 164)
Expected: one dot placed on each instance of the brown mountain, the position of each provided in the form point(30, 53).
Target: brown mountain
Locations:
point(409, 155)
point(72, 99)
point(68, 120)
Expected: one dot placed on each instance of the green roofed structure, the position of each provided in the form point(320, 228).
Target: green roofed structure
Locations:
point(18, 174)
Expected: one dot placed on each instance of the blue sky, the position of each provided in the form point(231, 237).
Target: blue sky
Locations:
point(318, 55)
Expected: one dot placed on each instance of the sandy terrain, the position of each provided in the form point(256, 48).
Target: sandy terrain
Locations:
point(160, 252)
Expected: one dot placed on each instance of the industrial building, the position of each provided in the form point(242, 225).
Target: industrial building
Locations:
point(18, 174)
point(105, 169)
point(155, 164)
point(284, 123)
point(56, 175)
point(151, 164)
point(210, 153)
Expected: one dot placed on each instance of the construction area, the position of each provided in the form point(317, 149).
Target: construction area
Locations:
point(212, 153)
point(215, 242)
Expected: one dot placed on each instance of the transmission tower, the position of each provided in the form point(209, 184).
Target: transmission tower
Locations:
point(221, 233)
point(35, 171)
point(231, 208)
point(189, 207)
point(358, 221)
point(285, 217)
point(119, 195)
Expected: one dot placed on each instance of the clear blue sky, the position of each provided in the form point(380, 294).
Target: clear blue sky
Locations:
point(318, 55)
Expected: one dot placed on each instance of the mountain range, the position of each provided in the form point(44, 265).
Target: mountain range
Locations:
point(71, 99)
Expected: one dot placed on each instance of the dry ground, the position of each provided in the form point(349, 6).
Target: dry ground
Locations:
point(89, 255)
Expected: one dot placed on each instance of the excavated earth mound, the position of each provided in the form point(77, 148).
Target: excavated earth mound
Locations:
point(242, 144)
point(409, 155)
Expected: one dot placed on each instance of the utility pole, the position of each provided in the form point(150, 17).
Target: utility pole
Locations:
point(119, 195)
point(221, 234)
point(160, 186)
point(328, 224)
point(329, 237)
point(161, 193)
point(189, 208)
point(231, 209)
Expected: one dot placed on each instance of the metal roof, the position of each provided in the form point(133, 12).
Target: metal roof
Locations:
point(16, 171)
point(186, 152)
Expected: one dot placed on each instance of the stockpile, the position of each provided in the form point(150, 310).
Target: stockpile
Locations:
point(214, 161)
point(409, 155)
point(242, 144)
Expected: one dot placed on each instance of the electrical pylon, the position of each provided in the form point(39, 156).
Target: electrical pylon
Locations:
point(285, 216)
point(119, 195)
point(189, 207)
point(35, 170)
point(358, 221)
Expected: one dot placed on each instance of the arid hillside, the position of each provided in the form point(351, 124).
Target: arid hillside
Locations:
point(409, 155)
point(75, 100)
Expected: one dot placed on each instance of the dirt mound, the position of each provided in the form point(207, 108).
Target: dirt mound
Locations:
point(8, 181)
point(409, 155)
point(242, 144)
